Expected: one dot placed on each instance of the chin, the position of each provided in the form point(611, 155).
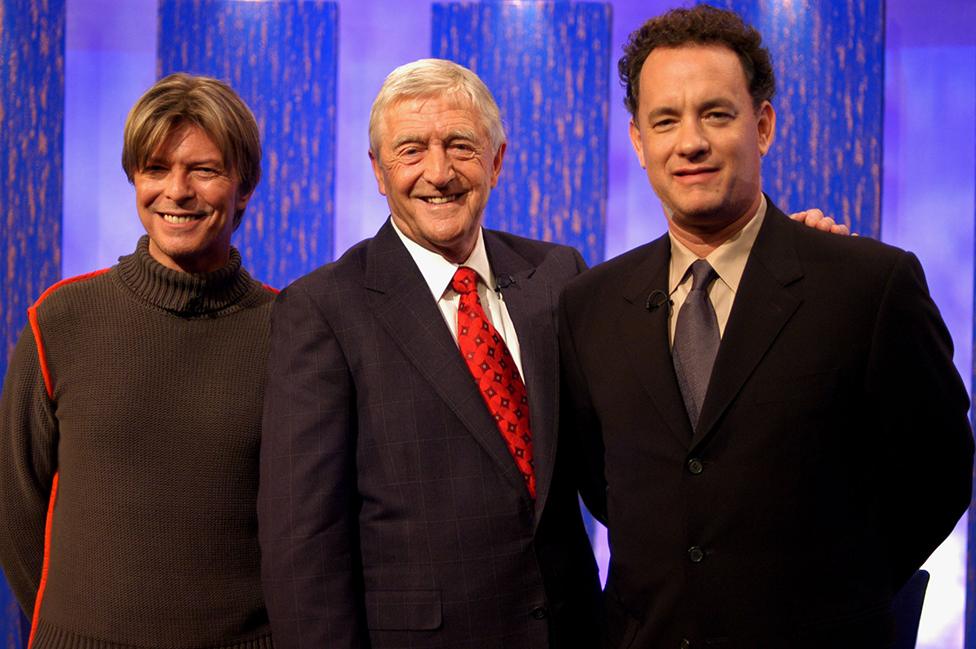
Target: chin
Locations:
point(697, 214)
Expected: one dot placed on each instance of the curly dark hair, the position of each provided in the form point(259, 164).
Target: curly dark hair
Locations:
point(701, 25)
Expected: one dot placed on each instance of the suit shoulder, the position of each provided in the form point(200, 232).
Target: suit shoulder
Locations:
point(618, 270)
point(348, 268)
point(846, 254)
point(533, 250)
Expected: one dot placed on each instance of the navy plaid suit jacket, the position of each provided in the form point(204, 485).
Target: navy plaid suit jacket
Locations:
point(391, 513)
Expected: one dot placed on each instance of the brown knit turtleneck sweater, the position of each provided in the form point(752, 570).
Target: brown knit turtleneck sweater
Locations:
point(150, 417)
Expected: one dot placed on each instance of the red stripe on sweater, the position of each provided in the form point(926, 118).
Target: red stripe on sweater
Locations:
point(36, 328)
point(270, 288)
point(47, 560)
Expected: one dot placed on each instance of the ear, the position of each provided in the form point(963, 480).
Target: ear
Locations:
point(378, 172)
point(635, 140)
point(239, 206)
point(496, 164)
point(242, 200)
point(766, 125)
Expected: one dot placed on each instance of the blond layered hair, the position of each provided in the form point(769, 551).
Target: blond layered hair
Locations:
point(180, 100)
point(441, 78)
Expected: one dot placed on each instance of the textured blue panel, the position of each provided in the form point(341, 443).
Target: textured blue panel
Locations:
point(31, 128)
point(970, 620)
point(548, 65)
point(15, 627)
point(829, 64)
point(281, 58)
point(31, 151)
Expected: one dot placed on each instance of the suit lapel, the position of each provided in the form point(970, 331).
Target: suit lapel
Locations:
point(768, 296)
point(531, 305)
point(644, 334)
point(401, 300)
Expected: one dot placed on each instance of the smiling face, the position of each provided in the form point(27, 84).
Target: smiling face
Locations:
point(436, 167)
point(699, 137)
point(187, 200)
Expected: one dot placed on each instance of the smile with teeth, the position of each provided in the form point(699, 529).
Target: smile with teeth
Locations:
point(440, 200)
point(180, 218)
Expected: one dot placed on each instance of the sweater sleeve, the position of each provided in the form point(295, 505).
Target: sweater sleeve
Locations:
point(28, 443)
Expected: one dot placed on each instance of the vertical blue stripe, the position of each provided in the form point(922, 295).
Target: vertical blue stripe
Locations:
point(31, 153)
point(548, 65)
point(970, 619)
point(829, 63)
point(281, 57)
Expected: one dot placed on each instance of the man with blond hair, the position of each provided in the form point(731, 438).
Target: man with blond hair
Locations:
point(413, 493)
point(130, 415)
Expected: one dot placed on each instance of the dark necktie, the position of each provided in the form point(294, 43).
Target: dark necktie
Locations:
point(495, 372)
point(696, 340)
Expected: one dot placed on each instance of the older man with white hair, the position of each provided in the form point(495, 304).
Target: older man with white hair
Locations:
point(411, 494)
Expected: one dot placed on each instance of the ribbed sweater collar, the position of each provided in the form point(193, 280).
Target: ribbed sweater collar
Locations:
point(185, 294)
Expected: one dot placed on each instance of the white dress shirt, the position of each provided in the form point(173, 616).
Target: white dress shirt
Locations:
point(728, 260)
point(438, 273)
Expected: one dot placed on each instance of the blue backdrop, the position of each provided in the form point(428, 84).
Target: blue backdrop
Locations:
point(281, 57)
point(548, 65)
point(31, 164)
point(830, 67)
point(829, 62)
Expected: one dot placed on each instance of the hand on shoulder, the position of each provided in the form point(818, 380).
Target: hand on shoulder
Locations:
point(815, 218)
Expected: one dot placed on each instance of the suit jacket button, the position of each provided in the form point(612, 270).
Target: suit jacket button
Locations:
point(539, 613)
point(685, 644)
point(695, 554)
point(695, 466)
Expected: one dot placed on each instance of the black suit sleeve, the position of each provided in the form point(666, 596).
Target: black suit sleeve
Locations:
point(579, 425)
point(308, 499)
point(927, 447)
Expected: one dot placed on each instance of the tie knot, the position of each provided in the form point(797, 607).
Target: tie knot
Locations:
point(465, 280)
point(702, 274)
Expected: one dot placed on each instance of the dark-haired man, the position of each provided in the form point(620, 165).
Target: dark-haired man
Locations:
point(131, 411)
point(811, 446)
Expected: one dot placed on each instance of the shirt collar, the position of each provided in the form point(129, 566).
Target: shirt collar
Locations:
point(728, 260)
point(438, 271)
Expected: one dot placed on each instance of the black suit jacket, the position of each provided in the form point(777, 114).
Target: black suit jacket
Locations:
point(833, 454)
point(391, 513)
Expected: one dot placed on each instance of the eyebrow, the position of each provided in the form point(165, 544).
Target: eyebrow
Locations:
point(458, 134)
point(708, 104)
point(213, 162)
point(407, 139)
point(719, 102)
point(461, 134)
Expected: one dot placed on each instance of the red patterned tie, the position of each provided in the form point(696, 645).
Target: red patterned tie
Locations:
point(495, 372)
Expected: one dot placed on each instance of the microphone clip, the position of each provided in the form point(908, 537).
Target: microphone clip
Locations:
point(502, 282)
point(656, 299)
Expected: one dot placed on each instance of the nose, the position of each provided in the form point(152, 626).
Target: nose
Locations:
point(692, 141)
point(438, 166)
point(178, 186)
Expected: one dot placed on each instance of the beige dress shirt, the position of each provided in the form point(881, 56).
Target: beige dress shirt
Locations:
point(728, 260)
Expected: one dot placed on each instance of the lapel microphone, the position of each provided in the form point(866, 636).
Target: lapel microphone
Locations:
point(503, 282)
point(657, 299)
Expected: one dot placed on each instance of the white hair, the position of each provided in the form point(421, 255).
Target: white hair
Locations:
point(436, 78)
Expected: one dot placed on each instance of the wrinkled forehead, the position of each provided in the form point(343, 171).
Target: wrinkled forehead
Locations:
point(436, 110)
